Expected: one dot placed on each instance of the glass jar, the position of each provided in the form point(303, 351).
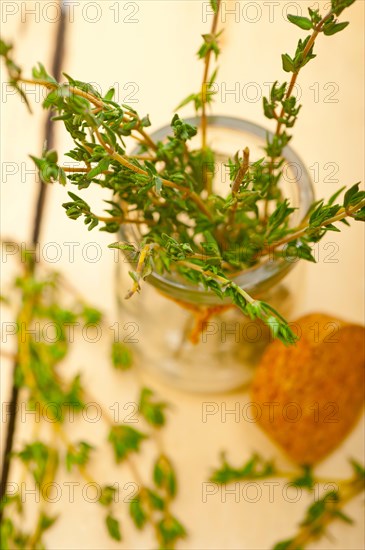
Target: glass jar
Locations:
point(186, 335)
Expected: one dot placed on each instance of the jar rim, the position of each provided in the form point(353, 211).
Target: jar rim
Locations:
point(266, 273)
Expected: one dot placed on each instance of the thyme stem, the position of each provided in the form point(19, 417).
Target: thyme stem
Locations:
point(58, 55)
point(205, 79)
point(289, 92)
point(342, 214)
point(306, 51)
point(125, 162)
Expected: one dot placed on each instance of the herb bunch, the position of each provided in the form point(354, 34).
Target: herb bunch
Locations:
point(45, 300)
point(167, 187)
point(320, 514)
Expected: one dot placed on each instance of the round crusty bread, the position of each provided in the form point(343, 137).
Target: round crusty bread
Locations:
point(311, 394)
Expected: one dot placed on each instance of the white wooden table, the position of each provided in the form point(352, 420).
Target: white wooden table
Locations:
point(147, 49)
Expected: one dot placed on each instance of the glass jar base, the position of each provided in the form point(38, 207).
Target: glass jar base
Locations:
point(223, 360)
point(203, 379)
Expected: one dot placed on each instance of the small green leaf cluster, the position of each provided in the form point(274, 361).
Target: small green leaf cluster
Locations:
point(13, 537)
point(78, 207)
point(152, 503)
point(152, 410)
point(300, 58)
point(210, 44)
point(314, 524)
point(78, 454)
point(41, 373)
point(14, 71)
point(319, 514)
point(255, 468)
point(330, 26)
point(339, 5)
point(42, 462)
point(125, 440)
point(288, 105)
point(122, 358)
point(322, 219)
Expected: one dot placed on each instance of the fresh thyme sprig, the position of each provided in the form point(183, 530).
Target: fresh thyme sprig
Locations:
point(39, 360)
point(38, 374)
point(205, 96)
point(282, 104)
point(167, 188)
point(320, 514)
point(152, 504)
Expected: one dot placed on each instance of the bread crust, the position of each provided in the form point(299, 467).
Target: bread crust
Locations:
point(311, 394)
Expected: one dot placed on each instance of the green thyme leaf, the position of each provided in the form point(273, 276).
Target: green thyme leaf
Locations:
point(302, 22)
point(79, 455)
point(125, 440)
point(122, 358)
point(113, 527)
point(164, 475)
point(151, 410)
point(137, 512)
